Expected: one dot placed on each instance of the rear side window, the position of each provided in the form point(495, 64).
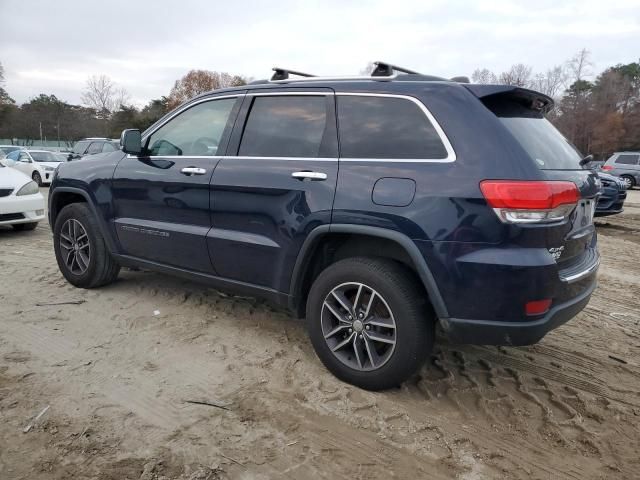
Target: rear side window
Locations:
point(627, 159)
point(287, 126)
point(386, 127)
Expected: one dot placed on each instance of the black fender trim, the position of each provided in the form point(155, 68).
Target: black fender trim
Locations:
point(312, 240)
point(103, 230)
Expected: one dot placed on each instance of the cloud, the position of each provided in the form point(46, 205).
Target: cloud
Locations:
point(52, 47)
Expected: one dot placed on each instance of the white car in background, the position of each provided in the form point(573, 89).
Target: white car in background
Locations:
point(21, 203)
point(38, 164)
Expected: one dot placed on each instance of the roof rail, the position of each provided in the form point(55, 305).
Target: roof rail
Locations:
point(283, 73)
point(384, 69)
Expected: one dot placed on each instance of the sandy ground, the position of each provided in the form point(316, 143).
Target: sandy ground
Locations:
point(120, 366)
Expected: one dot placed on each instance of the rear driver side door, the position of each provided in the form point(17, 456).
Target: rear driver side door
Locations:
point(275, 185)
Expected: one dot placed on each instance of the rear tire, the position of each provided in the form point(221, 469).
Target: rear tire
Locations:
point(361, 352)
point(22, 227)
point(629, 181)
point(81, 252)
point(37, 178)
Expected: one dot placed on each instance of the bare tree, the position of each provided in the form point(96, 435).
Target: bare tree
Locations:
point(552, 82)
point(103, 95)
point(483, 75)
point(518, 75)
point(579, 66)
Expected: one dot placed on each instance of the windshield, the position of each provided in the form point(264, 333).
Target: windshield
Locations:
point(9, 149)
point(546, 145)
point(44, 157)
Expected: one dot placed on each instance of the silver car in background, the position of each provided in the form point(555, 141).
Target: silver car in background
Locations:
point(625, 165)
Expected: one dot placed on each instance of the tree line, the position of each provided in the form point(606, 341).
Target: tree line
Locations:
point(600, 114)
point(106, 109)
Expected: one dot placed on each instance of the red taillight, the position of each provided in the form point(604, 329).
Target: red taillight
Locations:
point(518, 201)
point(529, 195)
point(537, 307)
point(606, 168)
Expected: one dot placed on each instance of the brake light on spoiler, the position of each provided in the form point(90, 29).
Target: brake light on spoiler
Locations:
point(518, 201)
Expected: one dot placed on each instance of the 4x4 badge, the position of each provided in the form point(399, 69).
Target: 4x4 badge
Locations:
point(556, 252)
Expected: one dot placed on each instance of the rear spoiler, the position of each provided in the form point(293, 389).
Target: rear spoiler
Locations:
point(534, 100)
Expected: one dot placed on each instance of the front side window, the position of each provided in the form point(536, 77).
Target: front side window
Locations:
point(286, 126)
point(24, 157)
point(194, 132)
point(108, 147)
point(386, 127)
point(95, 147)
point(627, 159)
point(80, 147)
point(13, 155)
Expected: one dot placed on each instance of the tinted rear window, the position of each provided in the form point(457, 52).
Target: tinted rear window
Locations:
point(386, 127)
point(627, 159)
point(286, 126)
point(539, 138)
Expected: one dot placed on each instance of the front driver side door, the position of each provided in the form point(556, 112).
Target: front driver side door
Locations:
point(161, 197)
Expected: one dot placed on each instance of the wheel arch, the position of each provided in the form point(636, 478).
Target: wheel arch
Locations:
point(60, 197)
point(311, 259)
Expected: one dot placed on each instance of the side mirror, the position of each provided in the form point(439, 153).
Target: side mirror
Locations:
point(131, 141)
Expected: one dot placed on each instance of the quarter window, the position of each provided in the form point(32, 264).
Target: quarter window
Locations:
point(627, 159)
point(386, 127)
point(194, 132)
point(288, 126)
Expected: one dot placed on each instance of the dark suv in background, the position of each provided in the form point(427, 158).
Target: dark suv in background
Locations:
point(92, 146)
point(375, 207)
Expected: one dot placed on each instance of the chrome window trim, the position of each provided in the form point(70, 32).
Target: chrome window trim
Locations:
point(451, 154)
point(309, 159)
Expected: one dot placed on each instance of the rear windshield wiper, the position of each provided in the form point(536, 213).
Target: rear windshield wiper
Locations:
point(586, 160)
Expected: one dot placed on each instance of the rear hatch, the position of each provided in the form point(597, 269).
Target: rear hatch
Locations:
point(572, 241)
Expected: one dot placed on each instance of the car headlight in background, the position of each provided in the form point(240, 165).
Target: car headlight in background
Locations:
point(48, 169)
point(30, 188)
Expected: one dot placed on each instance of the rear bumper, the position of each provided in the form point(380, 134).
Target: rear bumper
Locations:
point(485, 332)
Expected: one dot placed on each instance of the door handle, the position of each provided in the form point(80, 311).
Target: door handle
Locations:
point(314, 176)
point(193, 171)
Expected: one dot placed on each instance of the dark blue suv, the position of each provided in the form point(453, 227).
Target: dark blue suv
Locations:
point(373, 206)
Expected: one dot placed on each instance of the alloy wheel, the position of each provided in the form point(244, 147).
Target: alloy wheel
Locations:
point(75, 246)
point(358, 326)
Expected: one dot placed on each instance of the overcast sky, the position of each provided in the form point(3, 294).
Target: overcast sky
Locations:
point(145, 45)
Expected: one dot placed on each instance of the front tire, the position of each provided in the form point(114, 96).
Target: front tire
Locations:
point(37, 178)
point(369, 322)
point(629, 181)
point(81, 252)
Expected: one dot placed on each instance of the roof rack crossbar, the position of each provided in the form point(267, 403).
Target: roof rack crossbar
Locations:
point(384, 69)
point(283, 73)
